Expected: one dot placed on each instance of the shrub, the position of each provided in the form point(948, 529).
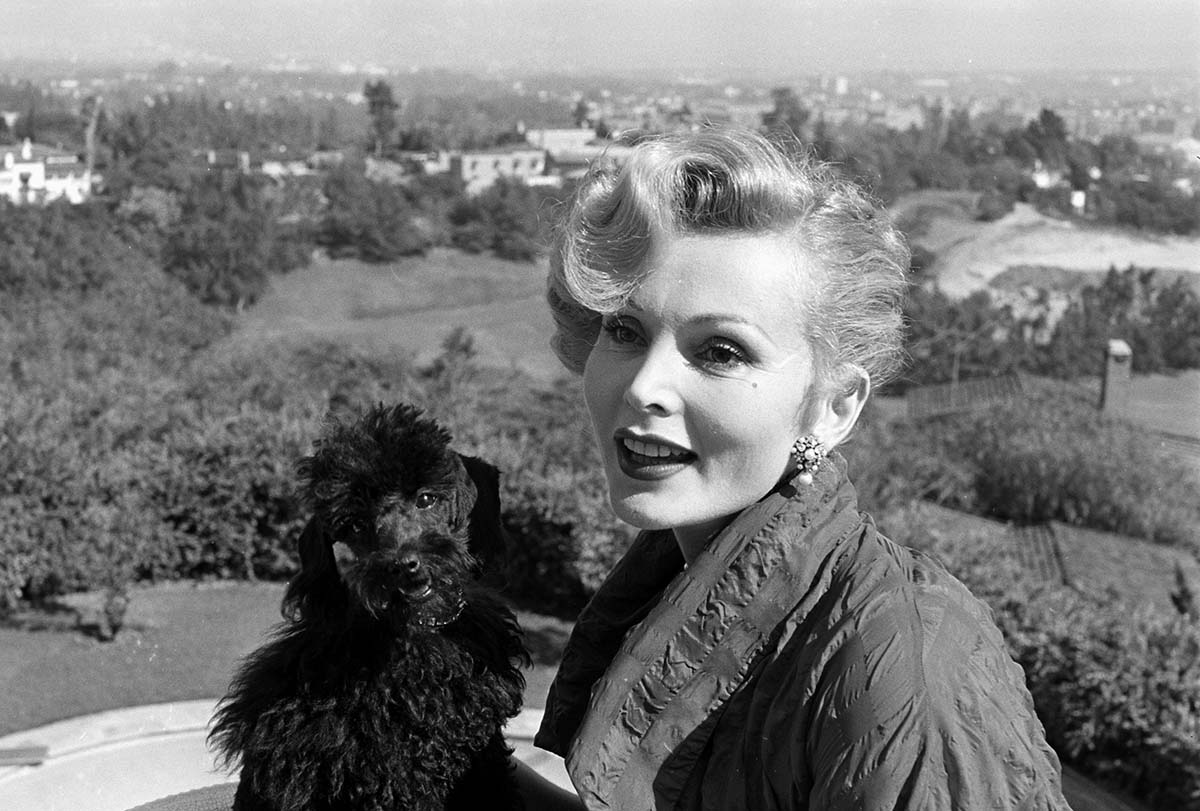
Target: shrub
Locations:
point(993, 205)
point(1053, 456)
point(71, 518)
point(374, 221)
point(1116, 687)
point(504, 218)
point(58, 248)
point(1050, 455)
point(202, 466)
point(221, 489)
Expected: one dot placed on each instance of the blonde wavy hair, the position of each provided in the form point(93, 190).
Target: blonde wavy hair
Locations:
point(729, 181)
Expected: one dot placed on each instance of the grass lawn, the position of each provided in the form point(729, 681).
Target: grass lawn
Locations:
point(410, 306)
point(181, 642)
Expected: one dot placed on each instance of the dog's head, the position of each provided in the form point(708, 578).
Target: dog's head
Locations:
point(401, 522)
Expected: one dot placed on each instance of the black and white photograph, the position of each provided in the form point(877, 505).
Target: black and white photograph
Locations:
point(556, 405)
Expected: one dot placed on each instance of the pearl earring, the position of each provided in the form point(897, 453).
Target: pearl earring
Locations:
point(808, 452)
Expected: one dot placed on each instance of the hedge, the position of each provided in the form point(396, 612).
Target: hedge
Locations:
point(128, 479)
point(1049, 456)
point(1116, 685)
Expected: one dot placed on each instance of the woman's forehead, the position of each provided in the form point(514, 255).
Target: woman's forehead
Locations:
point(738, 274)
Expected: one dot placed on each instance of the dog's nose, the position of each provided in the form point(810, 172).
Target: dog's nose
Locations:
point(410, 563)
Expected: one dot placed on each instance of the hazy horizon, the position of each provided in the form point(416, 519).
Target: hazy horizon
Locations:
point(710, 36)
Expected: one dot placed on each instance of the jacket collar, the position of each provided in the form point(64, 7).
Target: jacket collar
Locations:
point(660, 648)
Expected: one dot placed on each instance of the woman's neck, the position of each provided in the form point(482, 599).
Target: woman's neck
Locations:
point(693, 539)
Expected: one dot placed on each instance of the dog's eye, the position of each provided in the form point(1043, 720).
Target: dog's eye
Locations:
point(427, 500)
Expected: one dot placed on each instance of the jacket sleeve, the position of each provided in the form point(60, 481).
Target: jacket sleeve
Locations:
point(921, 707)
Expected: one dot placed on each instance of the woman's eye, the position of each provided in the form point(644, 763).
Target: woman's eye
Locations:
point(427, 500)
point(620, 331)
point(723, 353)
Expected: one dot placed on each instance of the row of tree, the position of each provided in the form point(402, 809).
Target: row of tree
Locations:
point(224, 233)
point(977, 337)
point(165, 122)
point(1127, 185)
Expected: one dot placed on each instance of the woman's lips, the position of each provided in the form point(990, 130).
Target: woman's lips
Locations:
point(649, 461)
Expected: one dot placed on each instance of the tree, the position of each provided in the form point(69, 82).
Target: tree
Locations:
point(584, 113)
point(381, 107)
point(958, 340)
point(27, 125)
point(1176, 315)
point(824, 145)
point(220, 247)
point(502, 219)
point(1118, 153)
point(329, 133)
point(933, 134)
point(788, 116)
point(1048, 135)
point(992, 205)
point(227, 240)
point(376, 222)
point(960, 136)
point(1160, 323)
point(940, 171)
point(1018, 147)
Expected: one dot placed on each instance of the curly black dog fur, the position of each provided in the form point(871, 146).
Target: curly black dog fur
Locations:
point(388, 685)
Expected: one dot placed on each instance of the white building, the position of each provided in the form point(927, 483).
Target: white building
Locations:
point(32, 173)
point(555, 140)
point(481, 168)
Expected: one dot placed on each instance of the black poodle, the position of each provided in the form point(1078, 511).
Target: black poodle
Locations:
point(388, 685)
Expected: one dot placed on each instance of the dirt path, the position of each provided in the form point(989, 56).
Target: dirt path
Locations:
point(1026, 237)
point(971, 253)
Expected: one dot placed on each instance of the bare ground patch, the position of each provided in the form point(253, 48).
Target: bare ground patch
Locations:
point(1027, 239)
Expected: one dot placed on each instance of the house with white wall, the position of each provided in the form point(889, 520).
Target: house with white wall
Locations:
point(38, 174)
point(480, 168)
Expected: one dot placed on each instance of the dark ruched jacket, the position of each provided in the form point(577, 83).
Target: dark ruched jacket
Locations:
point(802, 661)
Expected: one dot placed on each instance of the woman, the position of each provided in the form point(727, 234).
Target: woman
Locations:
point(761, 645)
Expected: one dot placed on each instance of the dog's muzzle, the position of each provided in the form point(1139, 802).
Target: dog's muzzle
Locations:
point(425, 586)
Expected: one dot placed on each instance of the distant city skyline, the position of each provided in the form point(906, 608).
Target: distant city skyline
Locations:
point(713, 37)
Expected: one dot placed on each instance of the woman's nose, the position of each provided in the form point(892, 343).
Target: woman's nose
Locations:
point(654, 386)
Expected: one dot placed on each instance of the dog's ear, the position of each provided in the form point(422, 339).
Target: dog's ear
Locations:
point(317, 588)
point(486, 536)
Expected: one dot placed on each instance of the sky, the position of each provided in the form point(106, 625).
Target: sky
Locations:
point(778, 37)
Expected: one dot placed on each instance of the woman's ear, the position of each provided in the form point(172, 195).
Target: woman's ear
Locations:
point(839, 405)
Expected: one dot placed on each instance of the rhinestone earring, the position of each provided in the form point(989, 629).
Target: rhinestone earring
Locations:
point(808, 452)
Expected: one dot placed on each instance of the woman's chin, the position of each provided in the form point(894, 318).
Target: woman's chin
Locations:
point(641, 512)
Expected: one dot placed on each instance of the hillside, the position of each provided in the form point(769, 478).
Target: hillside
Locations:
point(411, 305)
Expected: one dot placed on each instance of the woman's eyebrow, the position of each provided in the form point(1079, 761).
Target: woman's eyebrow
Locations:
point(708, 318)
point(724, 318)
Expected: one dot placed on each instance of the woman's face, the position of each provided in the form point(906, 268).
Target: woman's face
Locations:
point(698, 387)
